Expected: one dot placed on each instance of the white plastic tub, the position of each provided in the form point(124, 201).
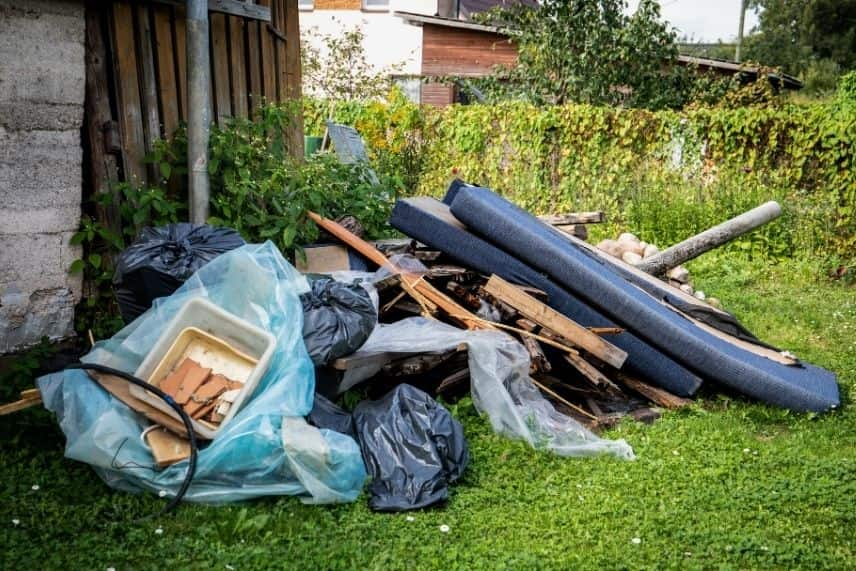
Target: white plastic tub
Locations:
point(215, 339)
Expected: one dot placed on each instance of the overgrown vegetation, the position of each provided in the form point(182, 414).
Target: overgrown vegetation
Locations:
point(725, 484)
point(668, 173)
point(257, 188)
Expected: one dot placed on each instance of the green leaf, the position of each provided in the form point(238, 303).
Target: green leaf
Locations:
point(95, 260)
point(288, 236)
point(76, 266)
point(165, 169)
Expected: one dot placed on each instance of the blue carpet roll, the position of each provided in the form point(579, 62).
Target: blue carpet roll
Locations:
point(596, 283)
point(430, 222)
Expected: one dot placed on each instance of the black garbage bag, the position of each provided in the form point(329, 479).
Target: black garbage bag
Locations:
point(337, 318)
point(326, 414)
point(412, 447)
point(161, 259)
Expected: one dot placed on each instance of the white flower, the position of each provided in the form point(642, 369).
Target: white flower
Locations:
point(636, 540)
point(676, 453)
point(111, 569)
point(16, 521)
point(159, 531)
point(410, 518)
point(445, 528)
point(162, 494)
point(746, 450)
point(35, 488)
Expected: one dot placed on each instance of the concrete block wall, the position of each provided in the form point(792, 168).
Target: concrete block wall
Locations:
point(42, 84)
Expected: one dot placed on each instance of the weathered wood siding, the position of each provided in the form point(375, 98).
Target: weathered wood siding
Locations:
point(252, 62)
point(463, 53)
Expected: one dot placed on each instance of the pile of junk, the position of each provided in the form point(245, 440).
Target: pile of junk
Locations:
point(229, 381)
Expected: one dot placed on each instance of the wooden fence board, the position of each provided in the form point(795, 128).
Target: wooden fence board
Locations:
point(267, 51)
point(168, 94)
point(149, 91)
point(146, 93)
point(180, 36)
point(128, 93)
point(238, 66)
point(220, 67)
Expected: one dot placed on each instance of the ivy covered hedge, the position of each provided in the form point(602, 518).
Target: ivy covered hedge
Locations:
point(665, 175)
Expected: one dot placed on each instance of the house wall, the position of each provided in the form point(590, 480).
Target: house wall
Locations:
point(42, 76)
point(463, 53)
point(389, 40)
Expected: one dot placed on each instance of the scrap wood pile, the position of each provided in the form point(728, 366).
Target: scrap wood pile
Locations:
point(574, 366)
point(482, 298)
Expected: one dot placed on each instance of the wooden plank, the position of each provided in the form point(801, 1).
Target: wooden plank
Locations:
point(277, 28)
point(563, 400)
point(104, 167)
point(121, 389)
point(551, 319)
point(268, 63)
point(294, 133)
point(180, 38)
point(220, 67)
point(238, 66)
point(418, 288)
point(148, 83)
point(230, 7)
point(254, 64)
point(595, 217)
point(128, 93)
point(18, 405)
point(167, 76)
point(589, 371)
point(243, 9)
point(657, 395)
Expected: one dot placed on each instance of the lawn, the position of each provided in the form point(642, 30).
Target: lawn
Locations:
point(724, 484)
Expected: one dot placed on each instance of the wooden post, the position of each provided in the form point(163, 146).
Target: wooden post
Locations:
point(710, 239)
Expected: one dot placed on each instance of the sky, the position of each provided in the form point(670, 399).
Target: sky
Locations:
point(704, 20)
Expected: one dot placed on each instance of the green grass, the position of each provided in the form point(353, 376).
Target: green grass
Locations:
point(725, 484)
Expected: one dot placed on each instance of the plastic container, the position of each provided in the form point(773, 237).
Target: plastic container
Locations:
point(216, 339)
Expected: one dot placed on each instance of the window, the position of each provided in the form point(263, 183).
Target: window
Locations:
point(306, 4)
point(376, 5)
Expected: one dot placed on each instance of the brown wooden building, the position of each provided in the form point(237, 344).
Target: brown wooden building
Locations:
point(453, 48)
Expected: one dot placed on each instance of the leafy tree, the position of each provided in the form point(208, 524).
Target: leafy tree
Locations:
point(806, 37)
point(589, 51)
point(339, 68)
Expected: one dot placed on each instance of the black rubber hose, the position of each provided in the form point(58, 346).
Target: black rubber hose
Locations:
point(188, 426)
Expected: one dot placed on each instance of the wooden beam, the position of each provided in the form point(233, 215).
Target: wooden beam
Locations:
point(416, 286)
point(655, 394)
point(231, 7)
point(549, 318)
point(573, 218)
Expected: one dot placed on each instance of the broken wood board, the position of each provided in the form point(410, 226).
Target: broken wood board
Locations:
point(416, 286)
point(121, 389)
point(595, 217)
point(656, 395)
point(167, 447)
point(549, 318)
point(323, 260)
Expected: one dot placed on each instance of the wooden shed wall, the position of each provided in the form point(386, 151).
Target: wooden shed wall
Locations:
point(463, 53)
point(136, 77)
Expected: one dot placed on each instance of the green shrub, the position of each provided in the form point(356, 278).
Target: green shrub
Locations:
point(664, 174)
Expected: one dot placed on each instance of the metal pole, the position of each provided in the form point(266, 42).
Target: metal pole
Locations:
point(710, 239)
point(199, 105)
point(740, 30)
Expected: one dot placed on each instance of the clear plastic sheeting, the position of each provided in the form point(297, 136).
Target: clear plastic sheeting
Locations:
point(500, 385)
point(266, 449)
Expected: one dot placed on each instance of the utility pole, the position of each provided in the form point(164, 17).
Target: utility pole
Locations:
point(740, 30)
